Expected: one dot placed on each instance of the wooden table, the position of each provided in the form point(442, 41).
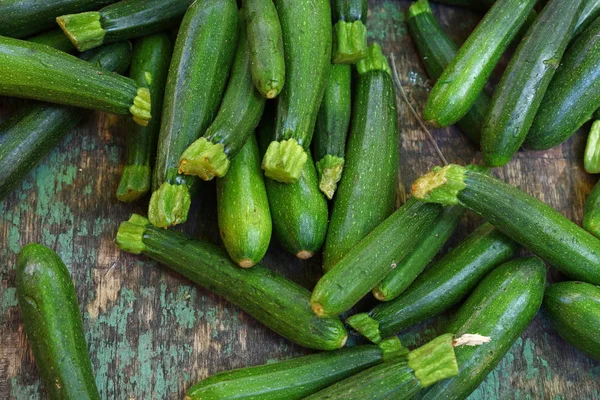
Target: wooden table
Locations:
point(151, 334)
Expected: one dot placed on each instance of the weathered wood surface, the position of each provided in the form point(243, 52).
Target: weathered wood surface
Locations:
point(151, 334)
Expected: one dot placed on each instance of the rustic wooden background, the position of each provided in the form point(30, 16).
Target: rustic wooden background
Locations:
point(151, 334)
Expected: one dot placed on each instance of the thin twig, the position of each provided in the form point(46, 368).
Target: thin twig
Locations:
point(403, 93)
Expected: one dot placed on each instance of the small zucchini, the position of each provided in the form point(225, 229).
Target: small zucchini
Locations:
point(349, 31)
point(591, 212)
point(591, 157)
point(53, 324)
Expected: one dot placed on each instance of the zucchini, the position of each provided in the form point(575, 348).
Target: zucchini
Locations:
point(591, 212)
point(28, 136)
point(442, 286)
point(437, 51)
point(306, 29)
point(53, 324)
point(591, 157)
point(204, 51)
point(371, 259)
point(243, 208)
point(280, 304)
point(501, 307)
point(55, 39)
point(349, 31)
point(463, 79)
point(149, 68)
point(124, 20)
point(239, 114)
point(574, 310)
point(295, 378)
point(35, 71)
point(329, 141)
point(265, 41)
point(523, 218)
point(589, 12)
point(367, 192)
point(518, 96)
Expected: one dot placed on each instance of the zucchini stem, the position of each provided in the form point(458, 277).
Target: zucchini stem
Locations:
point(284, 161)
point(434, 361)
point(591, 158)
point(130, 234)
point(374, 61)
point(349, 42)
point(169, 205)
point(84, 29)
point(441, 185)
point(135, 182)
point(204, 159)
point(329, 169)
point(141, 107)
point(367, 326)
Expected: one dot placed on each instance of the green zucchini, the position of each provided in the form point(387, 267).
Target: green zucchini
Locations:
point(371, 259)
point(53, 324)
point(55, 39)
point(591, 157)
point(349, 31)
point(243, 208)
point(35, 71)
point(518, 215)
point(367, 192)
point(589, 12)
point(329, 141)
point(572, 97)
point(124, 20)
point(266, 47)
point(501, 307)
point(306, 29)
point(464, 78)
point(21, 18)
point(29, 135)
point(149, 68)
point(437, 51)
point(280, 304)
point(295, 378)
point(518, 96)
point(591, 212)
point(239, 114)
point(204, 51)
point(574, 310)
point(411, 266)
point(442, 286)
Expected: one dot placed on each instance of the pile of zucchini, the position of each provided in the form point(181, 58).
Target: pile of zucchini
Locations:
point(295, 116)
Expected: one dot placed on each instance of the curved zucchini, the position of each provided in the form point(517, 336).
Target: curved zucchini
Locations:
point(589, 13)
point(124, 20)
point(574, 310)
point(349, 31)
point(591, 212)
point(53, 324)
point(591, 157)
point(149, 68)
point(306, 28)
point(55, 39)
point(204, 51)
point(280, 304)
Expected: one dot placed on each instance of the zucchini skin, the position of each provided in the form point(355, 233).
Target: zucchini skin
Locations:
point(243, 208)
point(465, 77)
point(591, 212)
point(437, 51)
point(367, 191)
point(520, 92)
point(589, 12)
point(53, 324)
point(273, 300)
point(501, 307)
point(29, 135)
point(574, 310)
point(573, 96)
point(55, 39)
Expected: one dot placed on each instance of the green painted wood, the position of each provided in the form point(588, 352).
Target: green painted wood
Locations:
point(152, 334)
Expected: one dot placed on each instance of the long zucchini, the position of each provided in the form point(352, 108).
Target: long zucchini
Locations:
point(349, 31)
point(518, 215)
point(280, 304)
point(204, 51)
point(591, 212)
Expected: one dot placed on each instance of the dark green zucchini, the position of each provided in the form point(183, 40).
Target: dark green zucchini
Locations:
point(329, 141)
point(589, 12)
point(442, 286)
point(127, 19)
point(35, 71)
point(265, 41)
point(518, 215)
point(518, 96)
point(591, 157)
point(306, 28)
point(203, 54)
point(574, 310)
point(55, 39)
point(464, 78)
point(591, 212)
point(239, 114)
point(501, 307)
point(28, 136)
point(296, 378)
point(572, 97)
point(149, 68)
point(371, 259)
point(280, 304)
point(367, 191)
point(349, 31)
point(53, 324)
point(243, 208)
